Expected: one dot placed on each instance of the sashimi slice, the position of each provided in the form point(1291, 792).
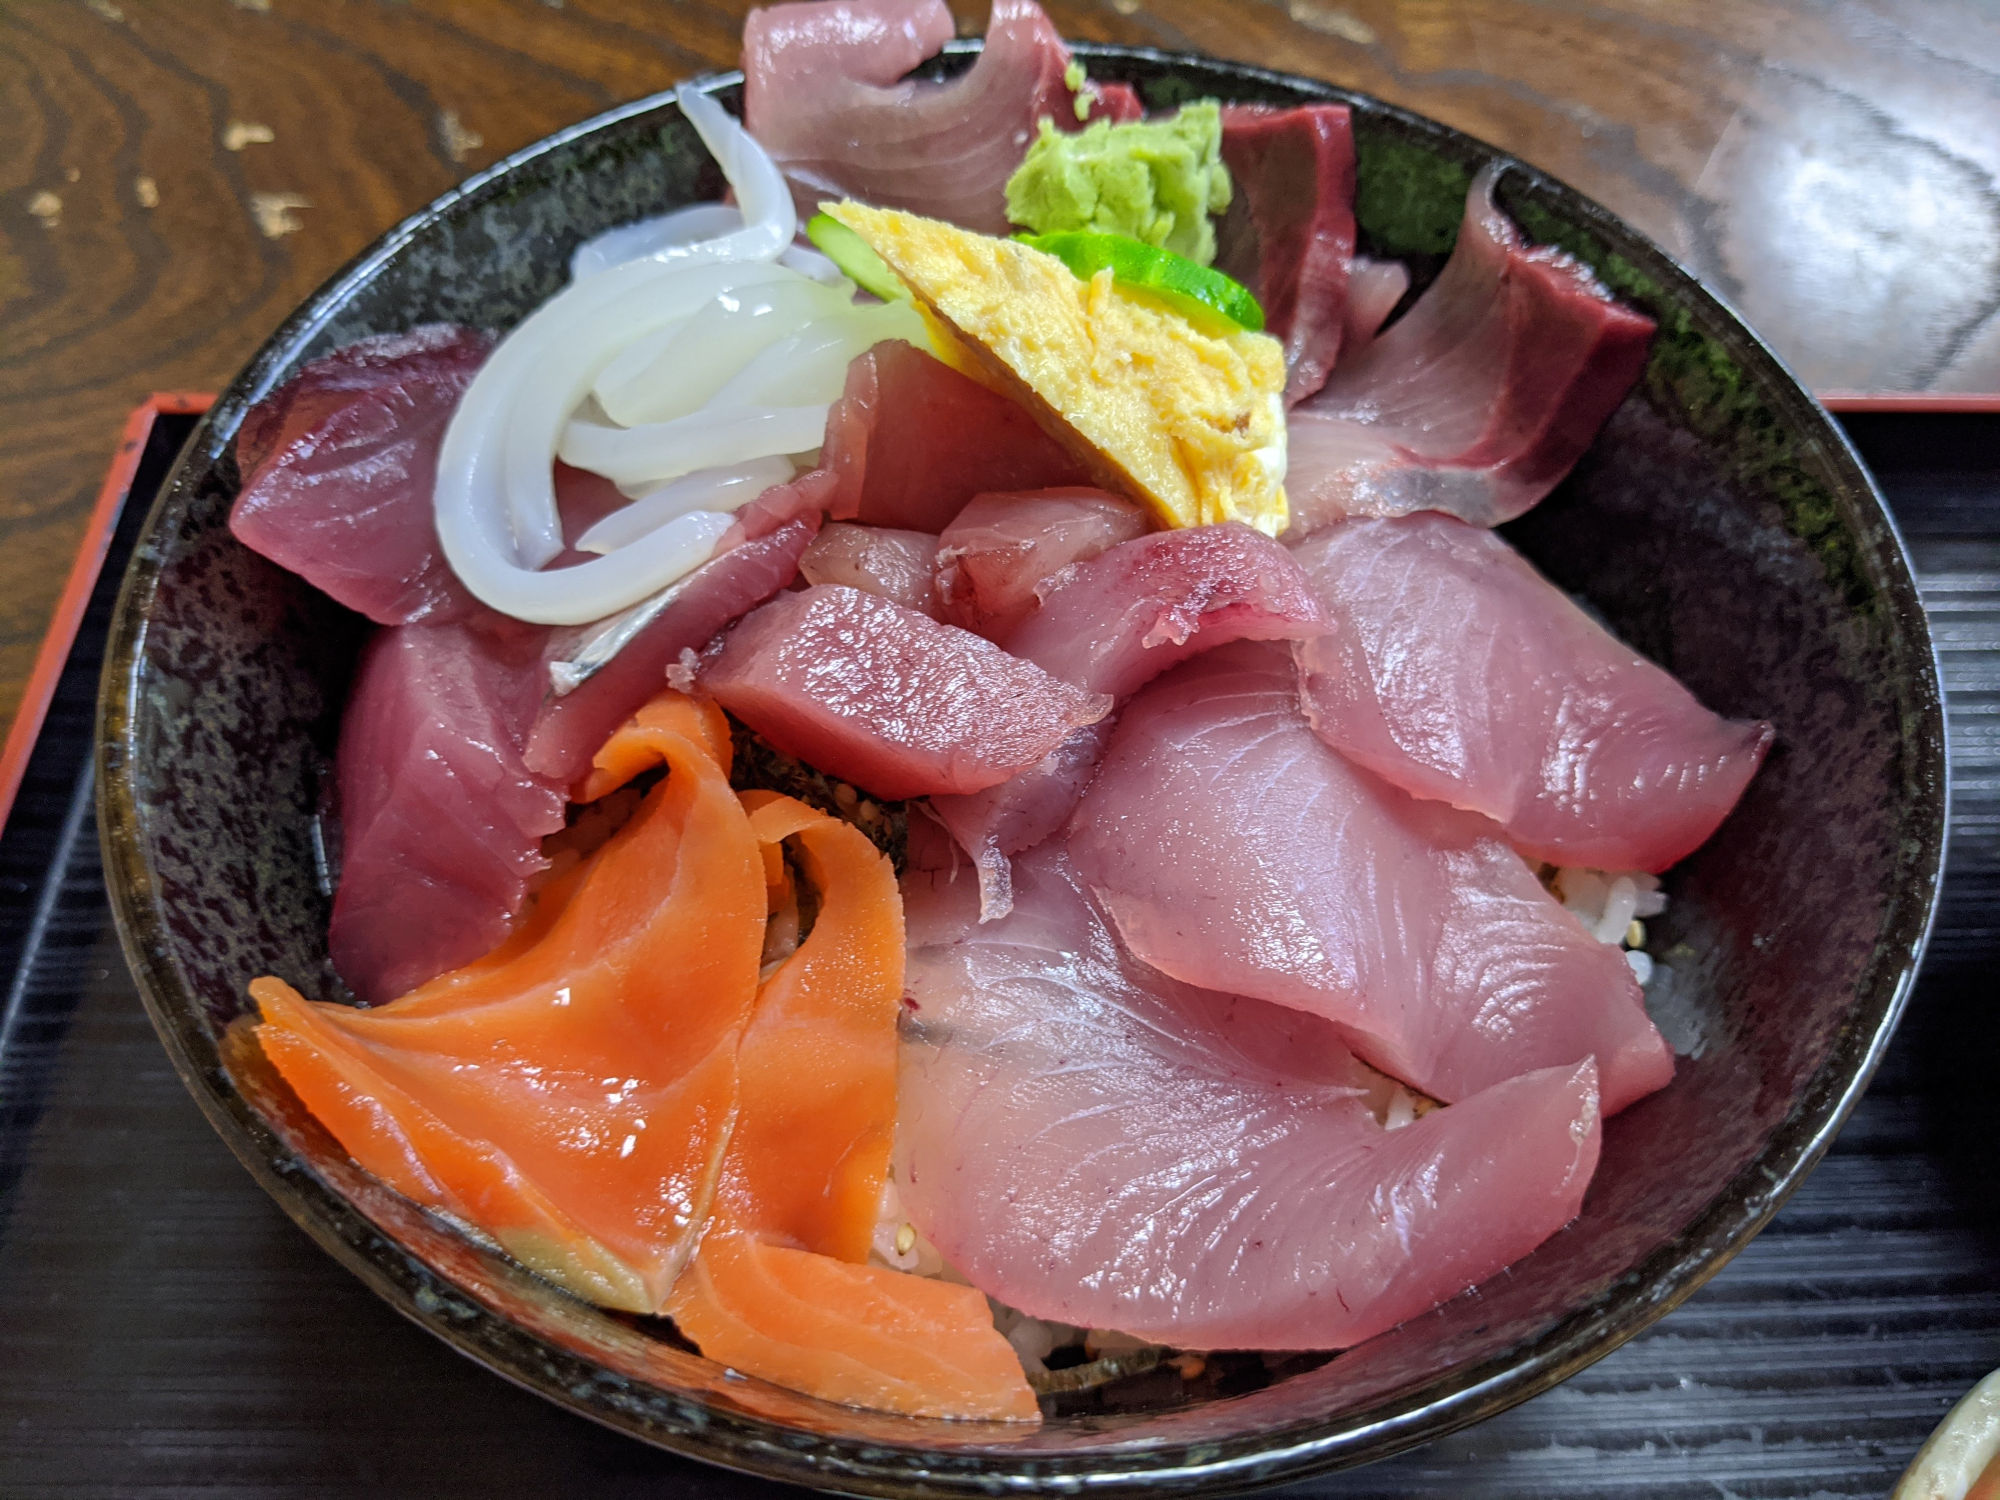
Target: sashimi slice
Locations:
point(899, 565)
point(857, 1334)
point(441, 818)
point(888, 699)
point(912, 440)
point(1094, 1143)
point(777, 1288)
point(573, 1094)
point(568, 729)
point(996, 556)
point(1235, 851)
point(1110, 625)
point(825, 93)
point(1119, 620)
point(338, 466)
point(1457, 672)
point(991, 826)
point(1289, 232)
point(1374, 287)
point(1480, 398)
point(817, 1064)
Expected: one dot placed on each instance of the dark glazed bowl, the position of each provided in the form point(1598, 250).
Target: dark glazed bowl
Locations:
point(1721, 523)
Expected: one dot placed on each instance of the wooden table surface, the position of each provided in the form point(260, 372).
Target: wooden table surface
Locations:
point(174, 177)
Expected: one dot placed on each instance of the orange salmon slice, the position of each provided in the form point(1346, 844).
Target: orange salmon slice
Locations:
point(856, 1334)
point(617, 1100)
point(572, 1093)
point(777, 1289)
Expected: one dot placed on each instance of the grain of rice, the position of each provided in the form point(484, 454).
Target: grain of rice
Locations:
point(1402, 1110)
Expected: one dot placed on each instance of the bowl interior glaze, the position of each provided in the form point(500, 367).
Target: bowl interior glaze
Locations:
point(1720, 523)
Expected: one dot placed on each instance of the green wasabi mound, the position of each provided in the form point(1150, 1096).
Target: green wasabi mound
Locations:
point(1155, 180)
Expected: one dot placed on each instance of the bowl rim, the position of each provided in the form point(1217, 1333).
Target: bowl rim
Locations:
point(735, 1439)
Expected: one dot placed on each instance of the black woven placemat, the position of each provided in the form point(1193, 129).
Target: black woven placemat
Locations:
point(165, 1331)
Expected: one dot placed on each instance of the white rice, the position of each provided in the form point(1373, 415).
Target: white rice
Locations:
point(1613, 906)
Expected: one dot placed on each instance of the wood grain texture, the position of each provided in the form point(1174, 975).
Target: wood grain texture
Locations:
point(174, 177)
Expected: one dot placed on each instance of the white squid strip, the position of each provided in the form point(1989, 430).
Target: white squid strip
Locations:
point(706, 440)
point(653, 238)
point(809, 262)
point(723, 489)
point(810, 365)
point(770, 224)
point(496, 460)
point(502, 437)
point(495, 498)
point(675, 371)
point(770, 221)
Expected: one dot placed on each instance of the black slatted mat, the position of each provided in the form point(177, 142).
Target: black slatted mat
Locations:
point(165, 1331)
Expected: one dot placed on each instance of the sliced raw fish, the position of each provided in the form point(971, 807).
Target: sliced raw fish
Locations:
point(804, 497)
point(1235, 851)
point(1456, 671)
point(913, 440)
point(1374, 287)
point(338, 465)
point(993, 825)
point(817, 1094)
point(1116, 102)
point(861, 1335)
point(1110, 625)
point(1289, 231)
point(441, 818)
point(898, 565)
point(571, 1093)
point(777, 1288)
point(996, 556)
point(825, 93)
point(1120, 619)
point(1480, 398)
point(567, 730)
point(1094, 1143)
point(889, 699)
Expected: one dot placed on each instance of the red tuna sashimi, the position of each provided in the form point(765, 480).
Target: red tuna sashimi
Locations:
point(1094, 1143)
point(338, 465)
point(568, 730)
point(994, 559)
point(1480, 398)
point(912, 440)
point(1235, 851)
point(1289, 232)
point(1456, 671)
point(1111, 625)
point(898, 565)
point(824, 92)
point(1117, 102)
point(889, 699)
point(441, 819)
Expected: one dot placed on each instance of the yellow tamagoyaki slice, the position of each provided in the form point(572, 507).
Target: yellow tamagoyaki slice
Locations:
point(1188, 421)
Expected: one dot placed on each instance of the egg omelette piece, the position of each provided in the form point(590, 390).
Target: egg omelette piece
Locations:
point(1190, 422)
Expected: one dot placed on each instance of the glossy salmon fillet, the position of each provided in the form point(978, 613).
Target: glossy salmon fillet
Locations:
point(818, 1062)
point(861, 1335)
point(613, 1086)
point(572, 1093)
point(777, 1288)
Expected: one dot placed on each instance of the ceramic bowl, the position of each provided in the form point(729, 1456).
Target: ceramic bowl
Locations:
point(1721, 524)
